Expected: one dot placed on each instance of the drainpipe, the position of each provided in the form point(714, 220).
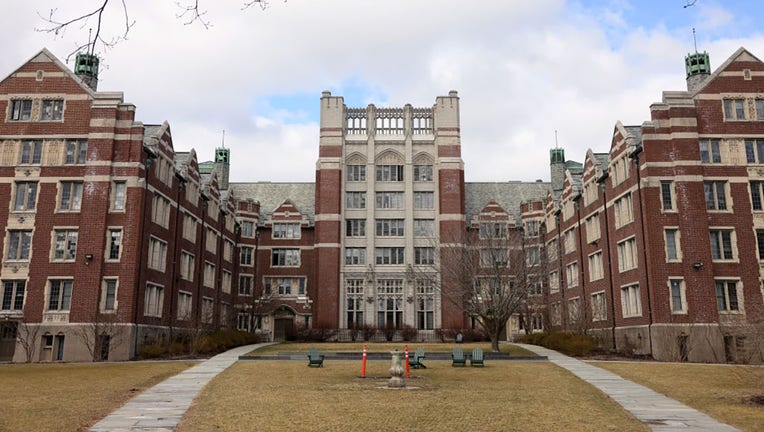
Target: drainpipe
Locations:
point(635, 155)
point(141, 262)
point(174, 290)
point(603, 186)
point(581, 279)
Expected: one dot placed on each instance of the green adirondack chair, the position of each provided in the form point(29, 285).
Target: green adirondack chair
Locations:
point(477, 357)
point(415, 361)
point(458, 358)
point(315, 359)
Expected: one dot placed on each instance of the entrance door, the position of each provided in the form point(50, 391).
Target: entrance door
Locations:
point(8, 332)
point(282, 328)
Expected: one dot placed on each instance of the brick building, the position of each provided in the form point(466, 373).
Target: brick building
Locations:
point(113, 239)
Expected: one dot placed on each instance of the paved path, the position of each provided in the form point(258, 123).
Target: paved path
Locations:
point(659, 412)
point(161, 407)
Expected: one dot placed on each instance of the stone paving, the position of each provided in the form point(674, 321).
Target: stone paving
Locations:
point(660, 413)
point(161, 407)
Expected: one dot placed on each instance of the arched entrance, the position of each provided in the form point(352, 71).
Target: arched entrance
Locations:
point(283, 323)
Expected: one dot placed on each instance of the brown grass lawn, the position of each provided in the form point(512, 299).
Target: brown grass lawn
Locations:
point(503, 396)
point(718, 390)
point(72, 397)
point(386, 347)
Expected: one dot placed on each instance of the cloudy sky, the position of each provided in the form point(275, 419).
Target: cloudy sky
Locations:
point(523, 69)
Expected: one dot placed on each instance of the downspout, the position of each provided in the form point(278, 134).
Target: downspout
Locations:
point(141, 262)
point(173, 275)
point(200, 254)
point(219, 266)
point(581, 279)
point(562, 281)
point(635, 155)
point(603, 186)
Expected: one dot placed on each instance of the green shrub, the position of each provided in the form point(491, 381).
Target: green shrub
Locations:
point(566, 343)
point(152, 351)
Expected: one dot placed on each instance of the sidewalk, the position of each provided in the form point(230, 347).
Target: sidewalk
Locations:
point(659, 412)
point(161, 407)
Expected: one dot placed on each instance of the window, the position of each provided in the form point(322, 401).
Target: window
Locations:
point(596, 271)
point(389, 303)
point(389, 227)
point(247, 229)
point(160, 213)
point(65, 244)
point(114, 240)
point(242, 321)
point(494, 257)
point(189, 227)
point(727, 296)
point(592, 225)
point(19, 243)
point(355, 200)
point(555, 315)
point(355, 256)
point(571, 274)
point(71, 196)
point(489, 230)
point(757, 191)
point(551, 250)
point(192, 193)
point(734, 109)
point(76, 152)
point(678, 302)
point(667, 198)
point(532, 256)
point(721, 244)
point(228, 250)
point(209, 274)
point(285, 286)
point(153, 300)
point(631, 301)
point(59, 295)
point(26, 196)
point(627, 255)
point(535, 286)
point(355, 300)
point(245, 285)
point(21, 109)
point(673, 250)
point(389, 173)
point(569, 240)
point(389, 200)
point(754, 150)
point(759, 109)
point(422, 173)
point(355, 227)
point(355, 173)
point(52, 109)
point(716, 197)
point(31, 152)
point(285, 258)
point(286, 230)
point(574, 310)
point(554, 282)
point(13, 295)
point(211, 242)
point(157, 254)
point(246, 255)
point(709, 151)
point(424, 200)
point(208, 310)
point(187, 264)
point(120, 195)
point(760, 243)
point(424, 255)
point(599, 307)
point(109, 295)
point(624, 211)
point(425, 305)
point(185, 300)
point(531, 228)
point(389, 255)
point(590, 192)
point(424, 227)
point(226, 281)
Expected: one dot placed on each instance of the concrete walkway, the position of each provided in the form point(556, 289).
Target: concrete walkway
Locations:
point(659, 412)
point(161, 407)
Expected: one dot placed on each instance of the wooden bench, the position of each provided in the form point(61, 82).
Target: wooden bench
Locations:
point(458, 358)
point(315, 359)
point(415, 361)
point(477, 357)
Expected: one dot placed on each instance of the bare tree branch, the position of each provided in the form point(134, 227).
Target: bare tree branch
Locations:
point(192, 14)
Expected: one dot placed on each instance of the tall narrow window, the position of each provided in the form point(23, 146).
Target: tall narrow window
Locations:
point(355, 302)
point(120, 195)
point(26, 196)
point(677, 296)
point(721, 244)
point(115, 243)
point(71, 196)
point(666, 198)
point(672, 244)
point(59, 295)
point(19, 243)
point(716, 196)
point(757, 191)
point(31, 152)
point(109, 301)
point(13, 295)
point(726, 296)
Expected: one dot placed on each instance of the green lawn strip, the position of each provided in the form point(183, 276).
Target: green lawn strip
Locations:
point(325, 347)
point(71, 397)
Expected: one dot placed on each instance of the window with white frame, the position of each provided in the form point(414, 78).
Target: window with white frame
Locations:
point(153, 300)
point(727, 295)
point(355, 256)
point(709, 151)
point(722, 247)
point(70, 198)
point(211, 242)
point(568, 209)
point(389, 303)
point(355, 200)
point(160, 211)
point(425, 304)
point(734, 109)
point(109, 295)
point(555, 314)
point(531, 228)
point(757, 191)
point(599, 307)
point(716, 195)
point(209, 274)
point(424, 227)
point(355, 173)
point(31, 152)
point(623, 209)
point(26, 196)
point(627, 255)
point(187, 265)
point(19, 245)
point(157, 254)
point(759, 103)
point(285, 286)
point(596, 271)
point(213, 210)
point(65, 244)
point(760, 244)
point(535, 286)
point(678, 299)
point(185, 303)
point(551, 250)
point(554, 282)
point(208, 310)
point(619, 170)
point(424, 200)
point(422, 173)
point(389, 255)
point(242, 321)
point(532, 256)
point(226, 281)
point(76, 152)
point(355, 228)
point(189, 227)
point(537, 322)
point(590, 192)
point(283, 230)
point(667, 195)
point(424, 255)
point(593, 230)
point(119, 195)
point(389, 173)
point(247, 229)
point(13, 295)
point(571, 274)
point(21, 110)
point(246, 255)
point(114, 242)
point(228, 250)
point(389, 227)
point(354, 302)
point(631, 301)
point(59, 295)
point(673, 245)
point(192, 193)
point(494, 258)
point(574, 310)
point(493, 230)
point(245, 285)
point(569, 240)
point(389, 200)
point(52, 110)
point(285, 258)
point(225, 314)
point(754, 151)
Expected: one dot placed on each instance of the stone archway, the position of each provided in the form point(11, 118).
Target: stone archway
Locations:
point(283, 323)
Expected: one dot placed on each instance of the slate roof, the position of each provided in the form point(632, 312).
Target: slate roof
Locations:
point(272, 195)
point(508, 195)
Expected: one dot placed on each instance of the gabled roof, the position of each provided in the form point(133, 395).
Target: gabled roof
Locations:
point(272, 195)
point(508, 195)
point(741, 54)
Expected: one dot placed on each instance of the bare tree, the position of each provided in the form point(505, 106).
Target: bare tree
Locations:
point(101, 335)
point(27, 337)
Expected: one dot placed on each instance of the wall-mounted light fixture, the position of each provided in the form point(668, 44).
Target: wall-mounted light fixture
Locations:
point(697, 265)
point(88, 258)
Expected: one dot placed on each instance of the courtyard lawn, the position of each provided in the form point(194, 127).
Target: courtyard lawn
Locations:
point(503, 396)
point(72, 397)
point(721, 391)
point(513, 350)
